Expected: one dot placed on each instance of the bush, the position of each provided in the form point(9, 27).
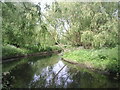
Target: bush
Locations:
point(32, 48)
point(10, 50)
point(48, 49)
point(56, 48)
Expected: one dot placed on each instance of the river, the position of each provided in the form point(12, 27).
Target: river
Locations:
point(52, 72)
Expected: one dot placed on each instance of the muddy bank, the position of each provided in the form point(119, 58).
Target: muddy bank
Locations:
point(42, 54)
point(82, 65)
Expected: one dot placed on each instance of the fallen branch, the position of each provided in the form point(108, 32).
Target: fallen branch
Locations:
point(59, 72)
point(82, 65)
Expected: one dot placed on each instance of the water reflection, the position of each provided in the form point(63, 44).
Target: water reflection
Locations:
point(47, 76)
point(43, 73)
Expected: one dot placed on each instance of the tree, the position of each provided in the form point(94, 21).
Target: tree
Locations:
point(23, 25)
point(84, 23)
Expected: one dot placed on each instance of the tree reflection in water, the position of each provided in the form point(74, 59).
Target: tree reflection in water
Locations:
point(46, 77)
point(48, 73)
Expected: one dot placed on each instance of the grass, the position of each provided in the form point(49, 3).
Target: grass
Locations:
point(10, 50)
point(104, 59)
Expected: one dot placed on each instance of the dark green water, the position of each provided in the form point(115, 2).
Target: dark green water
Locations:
point(36, 72)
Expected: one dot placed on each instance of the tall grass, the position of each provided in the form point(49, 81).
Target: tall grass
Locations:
point(105, 59)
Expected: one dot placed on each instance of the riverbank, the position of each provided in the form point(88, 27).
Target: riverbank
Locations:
point(10, 52)
point(104, 60)
point(47, 68)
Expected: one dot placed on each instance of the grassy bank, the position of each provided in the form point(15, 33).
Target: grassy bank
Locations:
point(103, 59)
point(10, 50)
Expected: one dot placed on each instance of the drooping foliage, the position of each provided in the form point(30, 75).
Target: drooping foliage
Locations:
point(90, 24)
point(23, 25)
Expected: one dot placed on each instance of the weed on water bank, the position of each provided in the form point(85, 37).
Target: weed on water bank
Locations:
point(104, 59)
point(10, 50)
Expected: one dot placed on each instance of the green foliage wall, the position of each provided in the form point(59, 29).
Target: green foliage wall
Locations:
point(93, 23)
point(22, 25)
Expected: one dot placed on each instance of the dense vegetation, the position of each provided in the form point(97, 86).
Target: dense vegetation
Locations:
point(10, 50)
point(27, 28)
point(24, 30)
point(93, 25)
point(22, 25)
point(102, 59)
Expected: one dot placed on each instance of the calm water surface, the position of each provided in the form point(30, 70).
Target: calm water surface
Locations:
point(36, 72)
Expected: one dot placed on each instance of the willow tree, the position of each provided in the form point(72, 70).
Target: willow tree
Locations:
point(23, 24)
point(90, 24)
point(18, 23)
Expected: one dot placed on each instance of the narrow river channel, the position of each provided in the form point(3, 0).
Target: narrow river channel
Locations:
point(52, 72)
